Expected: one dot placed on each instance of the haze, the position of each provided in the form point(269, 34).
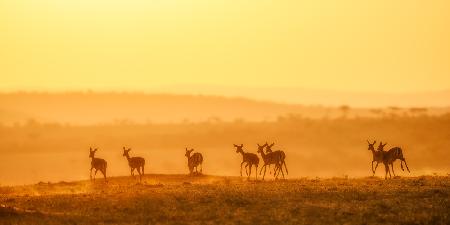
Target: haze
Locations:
point(354, 46)
point(317, 78)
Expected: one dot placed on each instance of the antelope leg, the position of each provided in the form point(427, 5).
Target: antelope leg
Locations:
point(281, 169)
point(246, 168)
point(104, 173)
point(264, 171)
point(404, 160)
point(386, 167)
point(376, 166)
point(260, 171)
point(392, 166)
point(95, 174)
point(284, 162)
point(275, 170)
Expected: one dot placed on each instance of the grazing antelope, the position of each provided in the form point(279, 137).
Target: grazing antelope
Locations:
point(268, 159)
point(97, 164)
point(249, 158)
point(377, 156)
point(281, 156)
point(390, 156)
point(137, 163)
point(194, 161)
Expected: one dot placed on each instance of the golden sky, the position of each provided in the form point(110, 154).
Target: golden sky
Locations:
point(350, 45)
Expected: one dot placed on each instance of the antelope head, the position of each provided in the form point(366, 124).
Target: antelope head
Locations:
point(269, 147)
point(381, 146)
point(92, 152)
point(261, 148)
point(239, 148)
point(125, 152)
point(371, 145)
point(188, 152)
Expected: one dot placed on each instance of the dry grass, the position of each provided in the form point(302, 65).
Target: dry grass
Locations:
point(179, 199)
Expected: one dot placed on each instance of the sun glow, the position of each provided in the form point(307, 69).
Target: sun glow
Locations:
point(140, 45)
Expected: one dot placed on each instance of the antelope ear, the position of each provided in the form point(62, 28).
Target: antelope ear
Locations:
point(95, 149)
point(242, 145)
point(90, 149)
point(272, 144)
point(374, 142)
point(235, 145)
point(124, 148)
point(186, 149)
point(368, 142)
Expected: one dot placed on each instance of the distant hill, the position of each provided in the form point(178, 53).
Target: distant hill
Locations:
point(295, 95)
point(94, 108)
point(89, 108)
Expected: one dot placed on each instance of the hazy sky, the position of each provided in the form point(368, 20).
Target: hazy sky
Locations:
point(383, 45)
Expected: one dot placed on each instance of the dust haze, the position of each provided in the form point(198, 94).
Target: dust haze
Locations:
point(45, 137)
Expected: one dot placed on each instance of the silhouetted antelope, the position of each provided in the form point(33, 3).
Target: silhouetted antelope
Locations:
point(268, 159)
point(137, 163)
point(390, 156)
point(97, 164)
point(194, 161)
point(281, 156)
point(377, 156)
point(249, 158)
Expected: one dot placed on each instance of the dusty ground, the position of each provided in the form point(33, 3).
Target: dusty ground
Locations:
point(179, 199)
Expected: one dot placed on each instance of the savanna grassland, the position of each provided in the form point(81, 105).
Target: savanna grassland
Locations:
point(44, 163)
point(180, 199)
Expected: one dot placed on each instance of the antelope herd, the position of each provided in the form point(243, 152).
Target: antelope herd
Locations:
point(250, 160)
point(386, 157)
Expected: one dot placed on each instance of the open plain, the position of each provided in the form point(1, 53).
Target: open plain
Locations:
point(181, 199)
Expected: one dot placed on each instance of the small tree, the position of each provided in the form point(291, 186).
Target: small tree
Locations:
point(344, 109)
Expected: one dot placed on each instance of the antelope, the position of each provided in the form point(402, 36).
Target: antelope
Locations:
point(268, 159)
point(377, 156)
point(281, 156)
point(390, 156)
point(249, 158)
point(194, 161)
point(97, 163)
point(137, 163)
